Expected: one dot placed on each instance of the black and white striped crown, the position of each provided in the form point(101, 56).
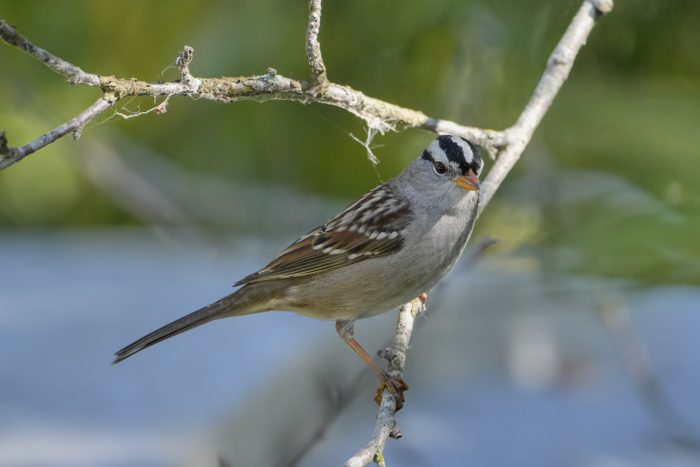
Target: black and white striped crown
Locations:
point(455, 151)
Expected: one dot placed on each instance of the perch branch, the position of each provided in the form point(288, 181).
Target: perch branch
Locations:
point(516, 139)
point(396, 356)
point(346, 394)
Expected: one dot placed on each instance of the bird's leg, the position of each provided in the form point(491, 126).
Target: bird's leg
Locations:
point(396, 386)
point(423, 298)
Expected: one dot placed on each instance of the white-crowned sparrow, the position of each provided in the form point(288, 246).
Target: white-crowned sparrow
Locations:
point(385, 249)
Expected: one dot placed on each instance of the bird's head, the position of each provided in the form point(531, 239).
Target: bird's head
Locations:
point(451, 160)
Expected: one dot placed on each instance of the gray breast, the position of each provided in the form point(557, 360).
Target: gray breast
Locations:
point(433, 244)
point(443, 241)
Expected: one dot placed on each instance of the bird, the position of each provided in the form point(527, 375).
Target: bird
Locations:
point(385, 249)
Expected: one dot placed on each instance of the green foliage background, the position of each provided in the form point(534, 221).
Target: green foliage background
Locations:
point(609, 186)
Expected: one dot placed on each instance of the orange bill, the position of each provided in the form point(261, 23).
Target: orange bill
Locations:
point(468, 181)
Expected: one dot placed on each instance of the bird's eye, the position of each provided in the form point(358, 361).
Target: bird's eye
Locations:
point(440, 168)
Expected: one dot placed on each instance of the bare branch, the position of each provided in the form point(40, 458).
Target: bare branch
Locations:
point(349, 392)
point(313, 47)
point(558, 67)
point(396, 356)
point(73, 73)
point(516, 139)
point(10, 155)
point(379, 115)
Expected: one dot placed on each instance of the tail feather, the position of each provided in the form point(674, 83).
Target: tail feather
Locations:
point(231, 305)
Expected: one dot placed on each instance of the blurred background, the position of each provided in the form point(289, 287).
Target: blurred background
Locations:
point(573, 340)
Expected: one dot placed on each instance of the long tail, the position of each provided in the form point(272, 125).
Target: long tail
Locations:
point(235, 304)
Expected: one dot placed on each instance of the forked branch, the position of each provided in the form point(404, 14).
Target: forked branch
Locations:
point(379, 115)
point(506, 146)
point(516, 139)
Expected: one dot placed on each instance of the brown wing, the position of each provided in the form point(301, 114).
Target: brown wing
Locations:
point(370, 227)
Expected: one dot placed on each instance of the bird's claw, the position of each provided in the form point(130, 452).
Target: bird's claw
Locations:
point(395, 386)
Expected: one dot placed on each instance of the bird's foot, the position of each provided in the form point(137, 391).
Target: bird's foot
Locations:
point(396, 386)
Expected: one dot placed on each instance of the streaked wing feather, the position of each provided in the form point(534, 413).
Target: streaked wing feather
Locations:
point(370, 227)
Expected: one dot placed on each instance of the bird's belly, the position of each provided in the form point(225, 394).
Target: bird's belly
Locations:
point(356, 293)
point(381, 284)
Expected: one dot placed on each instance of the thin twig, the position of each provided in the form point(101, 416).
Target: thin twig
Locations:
point(74, 74)
point(10, 155)
point(313, 47)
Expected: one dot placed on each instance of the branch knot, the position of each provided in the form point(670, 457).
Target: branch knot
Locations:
point(183, 61)
point(4, 150)
point(603, 6)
